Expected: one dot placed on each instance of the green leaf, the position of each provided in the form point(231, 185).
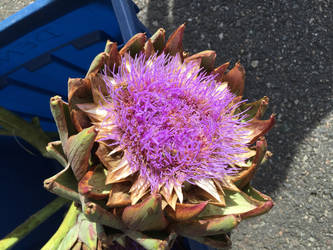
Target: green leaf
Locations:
point(245, 176)
point(88, 233)
point(146, 215)
point(60, 112)
point(152, 243)
point(92, 185)
point(207, 59)
point(250, 191)
point(97, 64)
point(78, 149)
point(70, 238)
point(97, 181)
point(264, 206)
point(236, 203)
point(63, 184)
point(185, 212)
point(134, 45)
point(56, 151)
point(254, 108)
point(158, 40)
point(81, 218)
point(207, 227)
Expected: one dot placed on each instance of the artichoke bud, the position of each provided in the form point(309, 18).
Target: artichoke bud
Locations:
point(156, 140)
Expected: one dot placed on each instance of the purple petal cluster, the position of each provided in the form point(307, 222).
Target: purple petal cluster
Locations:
point(173, 122)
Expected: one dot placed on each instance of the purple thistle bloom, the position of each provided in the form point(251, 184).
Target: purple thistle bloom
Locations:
point(174, 123)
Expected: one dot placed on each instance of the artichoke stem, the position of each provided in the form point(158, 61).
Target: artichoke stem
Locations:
point(31, 133)
point(31, 223)
point(68, 222)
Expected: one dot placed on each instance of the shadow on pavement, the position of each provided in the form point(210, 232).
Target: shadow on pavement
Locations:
point(286, 52)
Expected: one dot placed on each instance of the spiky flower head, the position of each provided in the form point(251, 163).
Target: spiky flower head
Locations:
point(173, 120)
point(154, 139)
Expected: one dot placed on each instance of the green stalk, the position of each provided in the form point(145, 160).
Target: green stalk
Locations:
point(30, 132)
point(68, 222)
point(31, 223)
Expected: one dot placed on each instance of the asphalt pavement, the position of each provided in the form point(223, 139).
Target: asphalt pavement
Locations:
point(287, 51)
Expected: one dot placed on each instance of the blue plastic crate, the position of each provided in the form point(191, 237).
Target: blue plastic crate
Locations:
point(40, 47)
point(49, 41)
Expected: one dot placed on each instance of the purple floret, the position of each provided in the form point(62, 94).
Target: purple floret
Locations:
point(174, 124)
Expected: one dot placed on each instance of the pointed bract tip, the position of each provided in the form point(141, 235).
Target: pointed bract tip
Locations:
point(174, 44)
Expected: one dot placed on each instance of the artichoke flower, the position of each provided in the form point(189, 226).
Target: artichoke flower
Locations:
point(157, 143)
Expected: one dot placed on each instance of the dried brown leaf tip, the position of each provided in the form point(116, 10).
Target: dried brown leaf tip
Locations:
point(174, 44)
